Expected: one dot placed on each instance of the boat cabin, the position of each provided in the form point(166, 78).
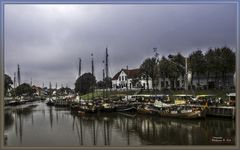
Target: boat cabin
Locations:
point(182, 99)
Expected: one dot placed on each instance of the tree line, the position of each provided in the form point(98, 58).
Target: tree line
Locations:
point(217, 62)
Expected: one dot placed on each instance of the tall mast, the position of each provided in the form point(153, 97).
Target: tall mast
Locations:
point(80, 67)
point(103, 81)
point(31, 82)
point(186, 73)
point(92, 64)
point(14, 80)
point(93, 76)
point(50, 85)
point(127, 82)
point(18, 75)
point(107, 75)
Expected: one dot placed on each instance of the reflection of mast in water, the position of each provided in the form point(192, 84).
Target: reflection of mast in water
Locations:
point(154, 127)
point(73, 122)
point(81, 130)
point(106, 133)
point(57, 116)
point(20, 127)
point(128, 137)
point(94, 133)
point(80, 135)
point(16, 124)
point(77, 131)
point(148, 129)
point(32, 120)
point(43, 112)
point(51, 117)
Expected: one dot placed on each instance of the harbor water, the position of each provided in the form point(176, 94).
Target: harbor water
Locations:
point(36, 124)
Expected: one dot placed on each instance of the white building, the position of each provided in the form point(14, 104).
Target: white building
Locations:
point(131, 79)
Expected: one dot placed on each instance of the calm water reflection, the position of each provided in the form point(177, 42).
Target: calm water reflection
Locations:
point(39, 125)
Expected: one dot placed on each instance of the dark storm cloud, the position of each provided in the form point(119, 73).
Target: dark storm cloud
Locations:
point(47, 40)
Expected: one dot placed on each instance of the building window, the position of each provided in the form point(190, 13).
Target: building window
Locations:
point(119, 78)
point(126, 78)
point(122, 78)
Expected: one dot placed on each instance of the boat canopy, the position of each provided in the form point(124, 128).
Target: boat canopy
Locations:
point(161, 104)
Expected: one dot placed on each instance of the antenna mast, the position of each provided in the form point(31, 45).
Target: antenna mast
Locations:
point(18, 75)
point(80, 67)
point(107, 75)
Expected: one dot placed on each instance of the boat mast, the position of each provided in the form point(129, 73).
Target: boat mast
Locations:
point(14, 80)
point(93, 76)
point(80, 67)
point(14, 84)
point(107, 73)
point(50, 89)
point(103, 82)
point(19, 75)
point(127, 82)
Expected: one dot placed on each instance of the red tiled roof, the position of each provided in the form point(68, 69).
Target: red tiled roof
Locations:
point(134, 73)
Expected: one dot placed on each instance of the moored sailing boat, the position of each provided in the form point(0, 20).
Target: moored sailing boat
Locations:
point(182, 111)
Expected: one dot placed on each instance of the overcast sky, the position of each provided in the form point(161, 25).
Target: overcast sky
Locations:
point(47, 40)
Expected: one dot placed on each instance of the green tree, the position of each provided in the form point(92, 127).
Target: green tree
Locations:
point(197, 64)
point(168, 69)
point(176, 67)
point(147, 69)
point(226, 63)
point(24, 89)
point(64, 91)
point(100, 84)
point(211, 63)
point(107, 82)
point(7, 83)
point(179, 62)
point(220, 62)
point(85, 83)
point(135, 82)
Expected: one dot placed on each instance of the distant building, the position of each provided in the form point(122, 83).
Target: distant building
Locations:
point(132, 79)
